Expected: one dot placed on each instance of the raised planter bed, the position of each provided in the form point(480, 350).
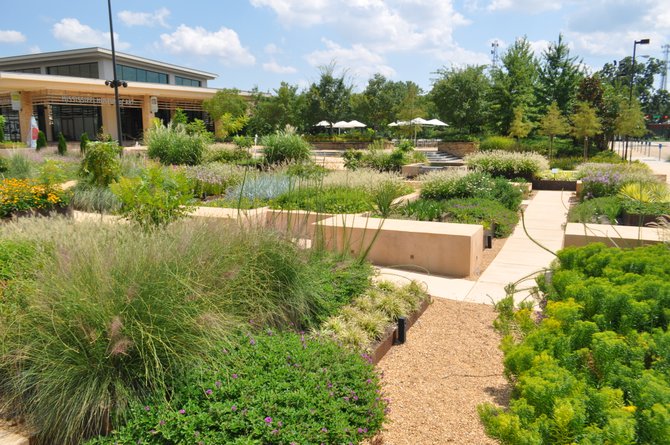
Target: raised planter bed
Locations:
point(356, 145)
point(577, 234)
point(380, 349)
point(557, 185)
point(458, 148)
point(637, 219)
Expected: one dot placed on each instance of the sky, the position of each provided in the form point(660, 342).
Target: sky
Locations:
point(260, 43)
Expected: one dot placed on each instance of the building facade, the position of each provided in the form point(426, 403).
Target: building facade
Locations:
point(66, 92)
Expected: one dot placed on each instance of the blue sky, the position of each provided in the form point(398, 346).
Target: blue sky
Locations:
point(260, 43)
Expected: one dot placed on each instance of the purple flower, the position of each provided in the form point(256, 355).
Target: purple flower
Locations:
point(233, 408)
point(280, 423)
point(161, 422)
point(324, 430)
point(275, 431)
point(360, 431)
point(234, 376)
point(268, 419)
point(209, 392)
point(182, 411)
point(252, 342)
point(147, 408)
point(217, 384)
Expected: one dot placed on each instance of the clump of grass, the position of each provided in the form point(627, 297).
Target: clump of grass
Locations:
point(94, 199)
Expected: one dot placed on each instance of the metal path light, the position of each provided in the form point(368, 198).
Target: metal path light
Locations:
point(115, 83)
point(632, 81)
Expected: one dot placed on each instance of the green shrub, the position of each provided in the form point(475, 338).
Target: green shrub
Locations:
point(4, 166)
point(472, 185)
point(83, 142)
point(100, 165)
point(604, 210)
point(646, 208)
point(284, 389)
point(353, 159)
point(62, 144)
point(42, 141)
point(423, 210)
point(592, 368)
point(243, 142)
point(226, 155)
point(285, 147)
point(494, 143)
point(213, 179)
point(19, 167)
point(52, 172)
point(507, 164)
point(158, 197)
point(566, 163)
point(600, 180)
point(173, 145)
point(324, 200)
point(491, 214)
point(114, 318)
point(607, 157)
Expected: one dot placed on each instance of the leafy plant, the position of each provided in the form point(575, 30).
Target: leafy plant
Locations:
point(83, 142)
point(603, 210)
point(507, 164)
point(272, 389)
point(646, 192)
point(52, 173)
point(96, 199)
point(62, 144)
point(332, 199)
point(497, 143)
point(158, 197)
point(352, 159)
point(213, 178)
point(243, 142)
point(19, 167)
point(442, 186)
point(2, 128)
point(21, 195)
point(100, 165)
point(491, 214)
point(173, 145)
point(607, 179)
point(217, 154)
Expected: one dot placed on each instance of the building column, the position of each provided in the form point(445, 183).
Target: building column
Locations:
point(48, 131)
point(109, 120)
point(25, 114)
point(147, 114)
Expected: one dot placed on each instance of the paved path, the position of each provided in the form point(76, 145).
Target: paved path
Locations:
point(518, 259)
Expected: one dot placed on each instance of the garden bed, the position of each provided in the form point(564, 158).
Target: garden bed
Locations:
point(555, 185)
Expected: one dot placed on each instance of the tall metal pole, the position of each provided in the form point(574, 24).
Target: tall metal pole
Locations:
point(630, 96)
point(115, 82)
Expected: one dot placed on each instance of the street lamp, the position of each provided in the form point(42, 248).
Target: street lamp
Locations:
point(632, 81)
point(116, 83)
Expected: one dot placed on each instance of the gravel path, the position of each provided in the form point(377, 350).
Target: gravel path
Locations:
point(449, 365)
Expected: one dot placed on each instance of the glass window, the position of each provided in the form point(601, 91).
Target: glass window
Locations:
point(89, 70)
point(187, 82)
point(140, 75)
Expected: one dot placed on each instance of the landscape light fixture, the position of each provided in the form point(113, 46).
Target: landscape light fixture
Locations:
point(630, 95)
point(116, 83)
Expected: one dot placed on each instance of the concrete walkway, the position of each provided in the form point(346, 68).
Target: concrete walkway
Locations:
point(519, 259)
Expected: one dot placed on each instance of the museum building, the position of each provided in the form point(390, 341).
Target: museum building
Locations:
point(66, 92)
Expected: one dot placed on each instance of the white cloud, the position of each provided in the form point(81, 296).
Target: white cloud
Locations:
point(34, 49)
point(529, 6)
point(131, 18)
point(459, 57)
point(358, 60)
point(224, 43)
point(272, 49)
point(539, 46)
point(273, 67)
point(9, 36)
point(71, 32)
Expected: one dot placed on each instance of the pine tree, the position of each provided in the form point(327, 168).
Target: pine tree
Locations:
point(41, 141)
point(62, 145)
point(83, 142)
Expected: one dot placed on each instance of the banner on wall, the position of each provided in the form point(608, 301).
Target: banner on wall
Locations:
point(34, 133)
point(16, 100)
point(154, 104)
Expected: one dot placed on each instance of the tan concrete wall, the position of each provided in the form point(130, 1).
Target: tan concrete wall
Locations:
point(411, 170)
point(25, 114)
point(109, 120)
point(459, 149)
point(299, 223)
point(622, 236)
point(253, 217)
point(147, 115)
point(438, 248)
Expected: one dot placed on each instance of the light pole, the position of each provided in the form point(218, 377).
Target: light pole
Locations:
point(630, 96)
point(115, 83)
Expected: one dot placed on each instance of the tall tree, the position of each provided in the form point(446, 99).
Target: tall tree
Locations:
point(273, 112)
point(412, 105)
point(559, 77)
point(513, 85)
point(376, 104)
point(329, 99)
point(228, 110)
point(460, 97)
point(553, 124)
point(630, 121)
point(585, 124)
point(618, 74)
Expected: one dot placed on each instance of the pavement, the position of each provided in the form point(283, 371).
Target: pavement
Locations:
point(519, 260)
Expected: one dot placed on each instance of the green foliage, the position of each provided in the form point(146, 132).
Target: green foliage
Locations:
point(603, 210)
point(83, 143)
point(199, 128)
point(62, 144)
point(384, 196)
point(553, 124)
point(607, 157)
point(507, 164)
point(568, 163)
point(19, 167)
point(460, 96)
point(271, 389)
point(593, 367)
point(52, 173)
point(353, 159)
point(179, 117)
point(213, 178)
point(243, 142)
point(285, 147)
point(227, 108)
point(156, 198)
point(94, 199)
point(493, 143)
point(173, 145)
point(559, 77)
point(226, 155)
point(472, 185)
point(100, 165)
point(333, 199)
point(2, 128)
point(519, 128)
point(607, 179)
point(42, 141)
point(585, 124)
point(4, 166)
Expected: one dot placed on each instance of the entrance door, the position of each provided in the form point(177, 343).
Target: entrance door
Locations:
point(131, 124)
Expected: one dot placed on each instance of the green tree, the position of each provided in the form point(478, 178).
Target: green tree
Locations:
point(553, 124)
point(329, 99)
point(228, 109)
point(179, 117)
point(272, 112)
point(41, 140)
point(377, 104)
point(630, 122)
point(559, 77)
point(585, 124)
point(412, 105)
point(519, 128)
point(460, 97)
point(62, 144)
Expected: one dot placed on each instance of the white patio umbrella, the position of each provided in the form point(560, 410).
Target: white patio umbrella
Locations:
point(437, 123)
point(323, 124)
point(356, 124)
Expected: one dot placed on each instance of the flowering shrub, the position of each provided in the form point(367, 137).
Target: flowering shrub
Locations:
point(607, 179)
point(509, 165)
point(21, 195)
point(279, 388)
point(593, 366)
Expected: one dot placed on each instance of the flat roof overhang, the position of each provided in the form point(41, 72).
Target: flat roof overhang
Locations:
point(10, 82)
